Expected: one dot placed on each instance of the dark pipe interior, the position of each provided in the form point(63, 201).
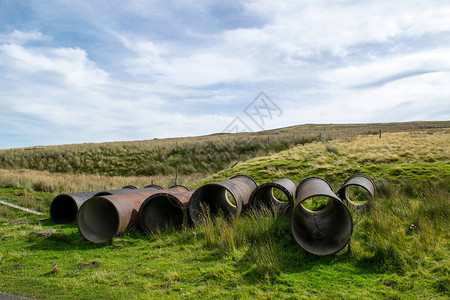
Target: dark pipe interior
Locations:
point(98, 220)
point(63, 209)
point(212, 199)
point(161, 212)
point(322, 232)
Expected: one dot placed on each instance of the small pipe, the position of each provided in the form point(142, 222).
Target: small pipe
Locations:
point(362, 181)
point(263, 195)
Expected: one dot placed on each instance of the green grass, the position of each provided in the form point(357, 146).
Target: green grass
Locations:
point(400, 249)
point(253, 256)
point(425, 154)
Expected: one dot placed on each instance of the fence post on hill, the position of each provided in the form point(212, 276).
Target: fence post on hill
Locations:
point(380, 133)
point(176, 177)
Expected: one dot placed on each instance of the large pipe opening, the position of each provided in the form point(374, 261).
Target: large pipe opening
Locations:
point(321, 223)
point(211, 200)
point(160, 212)
point(359, 191)
point(322, 231)
point(98, 220)
point(63, 209)
point(226, 197)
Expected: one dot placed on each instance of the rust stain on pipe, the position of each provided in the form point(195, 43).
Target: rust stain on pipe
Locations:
point(212, 198)
point(127, 190)
point(361, 181)
point(323, 232)
point(162, 209)
point(263, 195)
point(102, 218)
point(64, 207)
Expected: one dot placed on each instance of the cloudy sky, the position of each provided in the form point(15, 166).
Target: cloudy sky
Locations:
point(93, 71)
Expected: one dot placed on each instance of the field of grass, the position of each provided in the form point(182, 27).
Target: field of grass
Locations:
point(400, 249)
point(205, 154)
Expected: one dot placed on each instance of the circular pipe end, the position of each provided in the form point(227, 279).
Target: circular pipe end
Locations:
point(98, 220)
point(264, 196)
point(323, 232)
point(210, 200)
point(358, 191)
point(160, 211)
point(63, 209)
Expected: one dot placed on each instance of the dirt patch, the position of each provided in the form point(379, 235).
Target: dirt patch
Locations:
point(93, 264)
point(44, 233)
point(391, 284)
point(18, 221)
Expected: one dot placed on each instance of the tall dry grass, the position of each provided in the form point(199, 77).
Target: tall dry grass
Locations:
point(65, 183)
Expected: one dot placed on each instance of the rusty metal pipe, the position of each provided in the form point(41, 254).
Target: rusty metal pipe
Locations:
point(323, 232)
point(263, 195)
point(361, 181)
point(162, 209)
point(102, 218)
point(127, 190)
point(212, 198)
point(64, 207)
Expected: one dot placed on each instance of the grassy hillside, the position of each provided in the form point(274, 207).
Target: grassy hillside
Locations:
point(396, 156)
point(399, 250)
point(206, 154)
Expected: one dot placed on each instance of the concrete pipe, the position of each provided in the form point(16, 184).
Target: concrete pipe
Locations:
point(278, 195)
point(102, 218)
point(163, 209)
point(228, 196)
point(325, 231)
point(64, 207)
point(359, 191)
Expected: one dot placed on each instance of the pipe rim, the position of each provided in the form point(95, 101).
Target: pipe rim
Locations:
point(172, 199)
point(245, 176)
point(55, 202)
point(131, 187)
point(309, 179)
point(155, 186)
point(194, 212)
point(342, 192)
point(117, 216)
point(179, 185)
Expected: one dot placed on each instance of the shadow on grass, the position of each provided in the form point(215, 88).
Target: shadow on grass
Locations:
point(66, 238)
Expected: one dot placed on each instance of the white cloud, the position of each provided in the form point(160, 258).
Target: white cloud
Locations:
point(305, 27)
point(381, 71)
point(72, 64)
point(151, 71)
point(23, 37)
